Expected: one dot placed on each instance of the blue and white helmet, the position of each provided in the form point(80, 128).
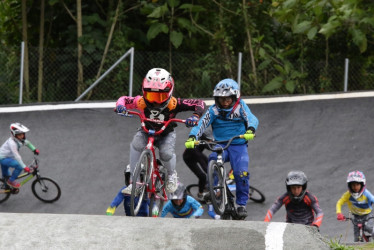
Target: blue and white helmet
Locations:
point(226, 87)
point(358, 177)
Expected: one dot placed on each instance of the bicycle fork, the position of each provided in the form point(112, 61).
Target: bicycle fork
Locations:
point(223, 174)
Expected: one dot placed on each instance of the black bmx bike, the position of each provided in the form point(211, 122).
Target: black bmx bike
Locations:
point(221, 186)
point(43, 188)
point(364, 235)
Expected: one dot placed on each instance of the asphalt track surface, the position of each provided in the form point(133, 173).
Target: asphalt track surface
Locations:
point(86, 150)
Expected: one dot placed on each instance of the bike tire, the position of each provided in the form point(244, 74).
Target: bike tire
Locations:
point(255, 195)
point(217, 187)
point(46, 189)
point(141, 179)
point(157, 198)
point(4, 191)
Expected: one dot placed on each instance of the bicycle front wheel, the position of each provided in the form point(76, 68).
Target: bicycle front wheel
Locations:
point(156, 202)
point(255, 195)
point(46, 189)
point(4, 191)
point(140, 181)
point(217, 186)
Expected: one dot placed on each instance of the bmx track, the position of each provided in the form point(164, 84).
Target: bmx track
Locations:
point(84, 147)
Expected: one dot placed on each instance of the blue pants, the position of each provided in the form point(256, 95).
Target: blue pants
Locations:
point(238, 157)
point(143, 210)
point(7, 163)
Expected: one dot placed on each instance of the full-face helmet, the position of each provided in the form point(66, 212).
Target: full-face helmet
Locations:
point(17, 128)
point(178, 194)
point(225, 88)
point(296, 178)
point(356, 177)
point(157, 86)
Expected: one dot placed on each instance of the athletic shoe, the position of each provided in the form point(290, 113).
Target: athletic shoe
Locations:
point(242, 212)
point(13, 184)
point(172, 183)
point(127, 190)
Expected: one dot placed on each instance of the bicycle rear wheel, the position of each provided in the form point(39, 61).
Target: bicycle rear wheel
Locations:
point(140, 181)
point(4, 191)
point(157, 198)
point(217, 186)
point(46, 189)
point(255, 195)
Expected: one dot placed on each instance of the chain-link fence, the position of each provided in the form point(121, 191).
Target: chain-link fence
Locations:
point(195, 75)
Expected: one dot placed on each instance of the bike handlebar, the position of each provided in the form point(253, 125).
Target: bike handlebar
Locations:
point(144, 119)
point(359, 221)
point(211, 144)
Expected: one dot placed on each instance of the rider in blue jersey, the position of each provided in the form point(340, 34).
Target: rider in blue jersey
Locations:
point(230, 116)
point(181, 205)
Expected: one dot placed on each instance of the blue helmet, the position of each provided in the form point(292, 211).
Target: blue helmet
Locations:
point(226, 87)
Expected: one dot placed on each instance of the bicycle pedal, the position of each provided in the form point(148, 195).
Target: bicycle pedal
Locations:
point(14, 190)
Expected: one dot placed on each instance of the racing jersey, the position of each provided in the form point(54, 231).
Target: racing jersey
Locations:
point(191, 208)
point(360, 206)
point(10, 149)
point(236, 122)
point(305, 212)
point(175, 106)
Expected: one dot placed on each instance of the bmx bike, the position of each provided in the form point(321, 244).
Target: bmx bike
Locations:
point(43, 188)
point(148, 180)
point(221, 196)
point(363, 236)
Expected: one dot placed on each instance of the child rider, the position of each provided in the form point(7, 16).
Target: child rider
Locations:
point(302, 207)
point(359, 201)
point(157, 102)
point(229, 117)
point(181, 205)
point(9, 153)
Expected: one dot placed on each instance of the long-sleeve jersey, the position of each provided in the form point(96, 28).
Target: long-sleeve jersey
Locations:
point(10, 149)
point(305, 212)
point(360, 206)
point(191, 208)
point(235, 123)
point(175, 106)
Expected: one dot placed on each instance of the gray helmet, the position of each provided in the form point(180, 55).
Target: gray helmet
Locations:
point(296, 178)
point(179, 193)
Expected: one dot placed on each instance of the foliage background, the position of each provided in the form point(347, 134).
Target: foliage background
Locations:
point(288, 47)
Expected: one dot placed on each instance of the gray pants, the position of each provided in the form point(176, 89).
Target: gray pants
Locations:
point(165, 145)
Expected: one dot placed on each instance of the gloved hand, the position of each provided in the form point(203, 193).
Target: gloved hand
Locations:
point(121, 109)
point(28, 170)
point(250, 134)
point(192, 121)
point(110, 210)
point(36, 152)
point(340, 216)
point(190, 143)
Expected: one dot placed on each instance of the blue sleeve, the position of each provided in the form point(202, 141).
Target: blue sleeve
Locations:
point(203, 124)
point(250, 118)
point(196, 206)
point(370, 197)
point(118, 199)
point(166, 209)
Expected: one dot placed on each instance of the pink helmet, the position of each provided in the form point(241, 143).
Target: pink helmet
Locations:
point(357, 177)
point(157, 86)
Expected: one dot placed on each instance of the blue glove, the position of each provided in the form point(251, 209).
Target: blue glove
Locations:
point(192, 121)
point(121, 109)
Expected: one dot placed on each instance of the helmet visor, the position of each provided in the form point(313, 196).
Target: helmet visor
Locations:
point(158, 97)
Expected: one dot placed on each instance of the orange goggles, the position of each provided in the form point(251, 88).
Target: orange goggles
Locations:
point(158, 97)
